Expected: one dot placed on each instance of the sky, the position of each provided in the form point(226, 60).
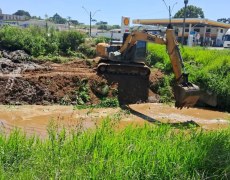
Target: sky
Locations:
point(112, 11)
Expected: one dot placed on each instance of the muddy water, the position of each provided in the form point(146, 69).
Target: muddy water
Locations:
point(35, 119)
point(207, 119)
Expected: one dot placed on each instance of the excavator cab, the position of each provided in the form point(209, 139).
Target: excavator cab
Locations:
point(137, 53)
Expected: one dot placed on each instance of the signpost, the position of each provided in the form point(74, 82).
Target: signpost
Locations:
point(125, 23)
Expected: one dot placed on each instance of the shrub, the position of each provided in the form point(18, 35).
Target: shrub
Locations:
point(82, 93)
point(87, 50)
point(101, 40)
point(70, 40)
point(11, 38)
point(37, 42)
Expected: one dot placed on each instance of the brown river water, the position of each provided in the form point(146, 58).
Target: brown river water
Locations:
point(35, 119)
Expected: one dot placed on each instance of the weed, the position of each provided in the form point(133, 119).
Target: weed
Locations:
point(65, 100)
point(109, 102)
point(104, 103)
point(82, 93)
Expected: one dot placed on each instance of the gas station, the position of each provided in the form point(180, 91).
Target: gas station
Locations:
point(198, 31)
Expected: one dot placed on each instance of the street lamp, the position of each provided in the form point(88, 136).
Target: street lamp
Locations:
point(90, 17)
point(185, 6)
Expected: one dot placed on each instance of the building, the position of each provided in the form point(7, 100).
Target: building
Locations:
point(197, 30)
point(24, 21)
point(11, 19)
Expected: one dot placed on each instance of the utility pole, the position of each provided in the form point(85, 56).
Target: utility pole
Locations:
point(90, 18)
point(90, 21)
point(185, 7)
point(170, 11)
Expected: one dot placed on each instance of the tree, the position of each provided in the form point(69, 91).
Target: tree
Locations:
point(58, 19)
point(101, 23)
point(36, 17)
point(103, 27)
point(224, 20)
point(22, 13)
point(191, 12)
point(116, 27)
point(74, 22)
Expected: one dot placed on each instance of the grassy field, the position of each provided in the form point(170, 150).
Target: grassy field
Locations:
point(144, 152)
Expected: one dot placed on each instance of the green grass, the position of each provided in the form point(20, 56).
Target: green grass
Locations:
point(207, 68)
point(146, 152)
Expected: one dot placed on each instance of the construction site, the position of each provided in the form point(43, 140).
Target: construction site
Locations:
point(33, 93)
point(136, 105)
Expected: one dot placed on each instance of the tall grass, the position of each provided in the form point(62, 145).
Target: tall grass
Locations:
point(146, 152)
point(207, 68)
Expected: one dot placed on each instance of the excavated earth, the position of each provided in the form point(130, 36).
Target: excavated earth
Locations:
point(31, 83)
point(26, 82)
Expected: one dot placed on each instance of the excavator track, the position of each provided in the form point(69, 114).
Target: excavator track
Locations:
point(111, 67)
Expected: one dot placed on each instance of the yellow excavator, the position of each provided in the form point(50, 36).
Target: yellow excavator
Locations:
point(129, 58)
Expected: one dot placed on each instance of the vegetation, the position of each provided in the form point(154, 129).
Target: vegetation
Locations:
point(207, 68)
point(224, 20)
point(108, 102)
point(102, 91)
point(143, 152)
point(38, 42)
point(58, 19)
point(104, 26)
point(22, 13)
point(191, 12)
point(82, 93)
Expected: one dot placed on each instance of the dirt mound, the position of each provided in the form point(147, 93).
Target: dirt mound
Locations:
point(26, 82)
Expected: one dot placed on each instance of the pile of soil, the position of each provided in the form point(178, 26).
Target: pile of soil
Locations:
point(23, 81)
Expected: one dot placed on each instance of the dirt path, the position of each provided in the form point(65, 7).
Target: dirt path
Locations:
point(35, 119)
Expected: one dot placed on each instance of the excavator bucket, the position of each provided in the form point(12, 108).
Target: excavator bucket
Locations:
point(186, 95)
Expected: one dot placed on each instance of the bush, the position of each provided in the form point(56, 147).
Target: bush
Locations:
point(82, 92)
point(70, 41)
point(11, 38)
point(87, 50)
point(37, 42)
point(101, 40)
